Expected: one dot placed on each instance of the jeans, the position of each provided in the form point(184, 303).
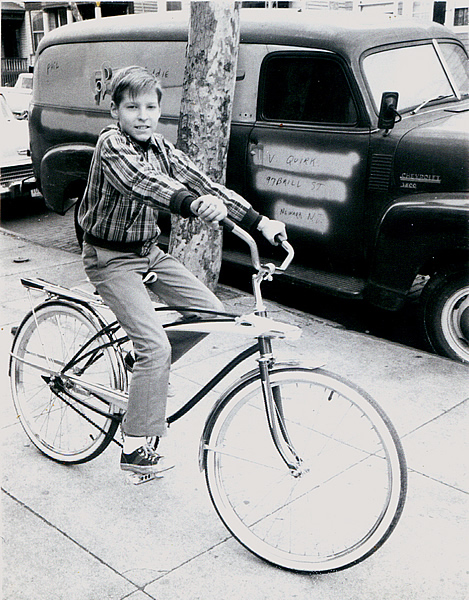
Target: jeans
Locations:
point(117, 277)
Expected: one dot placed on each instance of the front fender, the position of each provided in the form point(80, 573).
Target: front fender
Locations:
point(64, 169)
point(412, 233)
point(244, 380)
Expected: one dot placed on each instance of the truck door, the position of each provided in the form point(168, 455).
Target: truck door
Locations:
point(307, 158)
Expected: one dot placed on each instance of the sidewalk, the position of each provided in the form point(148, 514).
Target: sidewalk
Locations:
point(82, 533)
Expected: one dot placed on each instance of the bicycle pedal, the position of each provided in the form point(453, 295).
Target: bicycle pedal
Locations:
point(139, 478)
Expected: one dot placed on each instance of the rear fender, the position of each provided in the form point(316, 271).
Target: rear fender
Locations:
point(63, 174)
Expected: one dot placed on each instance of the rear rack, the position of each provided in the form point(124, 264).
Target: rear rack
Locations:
point(78, 295)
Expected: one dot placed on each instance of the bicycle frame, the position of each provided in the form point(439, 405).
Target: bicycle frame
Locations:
point(257, 324)
point(69, 370)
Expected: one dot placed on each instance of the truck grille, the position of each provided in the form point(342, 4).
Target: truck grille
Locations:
point(9, 175)
point(380, 172)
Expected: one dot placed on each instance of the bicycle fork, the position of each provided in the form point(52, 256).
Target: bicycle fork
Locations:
point(274, 410)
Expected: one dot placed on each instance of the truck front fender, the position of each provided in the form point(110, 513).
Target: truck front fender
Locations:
point(63, 174)
point(414, 233)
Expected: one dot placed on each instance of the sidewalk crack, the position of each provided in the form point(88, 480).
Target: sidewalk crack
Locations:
point(68, 537)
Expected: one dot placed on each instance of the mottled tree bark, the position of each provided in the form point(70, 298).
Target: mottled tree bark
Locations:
point(204, 123)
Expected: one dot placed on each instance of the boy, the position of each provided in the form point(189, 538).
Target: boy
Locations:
point(133, 173)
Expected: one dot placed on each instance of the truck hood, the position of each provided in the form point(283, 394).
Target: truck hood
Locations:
point(434, 156)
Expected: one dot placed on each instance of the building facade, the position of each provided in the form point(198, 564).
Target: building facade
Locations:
point(23, 24)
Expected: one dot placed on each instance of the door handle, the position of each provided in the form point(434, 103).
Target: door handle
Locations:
point(257, 150)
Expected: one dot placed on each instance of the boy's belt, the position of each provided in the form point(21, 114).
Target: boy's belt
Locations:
point(135, 247)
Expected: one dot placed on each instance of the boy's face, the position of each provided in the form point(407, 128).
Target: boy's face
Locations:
point(138, 115)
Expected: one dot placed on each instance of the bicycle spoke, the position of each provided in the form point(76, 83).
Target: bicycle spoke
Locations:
point(341, 502)
point(62, 428)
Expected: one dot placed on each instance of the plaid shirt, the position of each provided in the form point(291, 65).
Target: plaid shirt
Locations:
point(127, 184)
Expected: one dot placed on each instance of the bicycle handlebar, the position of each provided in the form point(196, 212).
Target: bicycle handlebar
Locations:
point(232, 227)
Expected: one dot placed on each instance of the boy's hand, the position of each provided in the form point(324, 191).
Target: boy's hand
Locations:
point(209, 208)
point(273, 231)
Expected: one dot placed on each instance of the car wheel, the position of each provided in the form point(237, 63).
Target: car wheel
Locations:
point(445, 312)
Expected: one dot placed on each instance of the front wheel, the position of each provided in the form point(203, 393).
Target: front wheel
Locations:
point(346, 499)
point(445, 314)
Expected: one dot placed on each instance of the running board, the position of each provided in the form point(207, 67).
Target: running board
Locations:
point(343, 286)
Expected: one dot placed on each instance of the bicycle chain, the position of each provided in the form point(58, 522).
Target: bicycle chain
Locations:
point(86, 417)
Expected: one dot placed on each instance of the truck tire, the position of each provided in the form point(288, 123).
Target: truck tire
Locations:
point(445, 314)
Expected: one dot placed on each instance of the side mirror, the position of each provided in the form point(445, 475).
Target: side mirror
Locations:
point(388, 114)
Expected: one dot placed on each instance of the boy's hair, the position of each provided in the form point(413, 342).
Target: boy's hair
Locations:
point(136, 80)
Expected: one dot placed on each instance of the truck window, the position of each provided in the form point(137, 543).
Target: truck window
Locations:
point(416, 72)
point(306, 89)
point(458, 64)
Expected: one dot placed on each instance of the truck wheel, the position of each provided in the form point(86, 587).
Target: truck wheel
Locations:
point(445, 311)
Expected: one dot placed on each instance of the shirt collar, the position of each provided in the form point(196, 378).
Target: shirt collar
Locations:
point(151, 142)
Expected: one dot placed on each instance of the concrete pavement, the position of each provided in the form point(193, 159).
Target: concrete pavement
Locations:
point(83, 533)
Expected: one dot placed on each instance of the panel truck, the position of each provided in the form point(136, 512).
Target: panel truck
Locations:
point(352, 131)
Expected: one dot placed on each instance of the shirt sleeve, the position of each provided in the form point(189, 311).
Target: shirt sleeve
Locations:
point(132, 175)
point(196, 181)
point(135, 177)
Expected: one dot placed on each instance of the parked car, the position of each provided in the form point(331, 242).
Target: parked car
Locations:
point(354, 132)
point(18, 97)
point(16, 170)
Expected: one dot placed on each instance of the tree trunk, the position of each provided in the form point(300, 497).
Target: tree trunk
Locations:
point(204, 124)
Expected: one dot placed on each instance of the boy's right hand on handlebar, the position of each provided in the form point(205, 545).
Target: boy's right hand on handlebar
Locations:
point(209, 208)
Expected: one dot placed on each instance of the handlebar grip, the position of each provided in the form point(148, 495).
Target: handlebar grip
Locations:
point(228, 224)
point(277, 239)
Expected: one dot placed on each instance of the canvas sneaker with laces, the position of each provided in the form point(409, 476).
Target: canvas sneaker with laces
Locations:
point(145, 460)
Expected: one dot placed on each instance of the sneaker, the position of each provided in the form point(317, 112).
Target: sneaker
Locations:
point(144, 460)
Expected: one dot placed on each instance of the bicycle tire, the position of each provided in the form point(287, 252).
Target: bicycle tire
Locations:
point(60, 427)
point(334, 515)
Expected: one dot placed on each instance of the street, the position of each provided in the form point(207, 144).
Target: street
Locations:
point(43, 226)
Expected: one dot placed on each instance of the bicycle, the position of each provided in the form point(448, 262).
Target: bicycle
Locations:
point(302, 466)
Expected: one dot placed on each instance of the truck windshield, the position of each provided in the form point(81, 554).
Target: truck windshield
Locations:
point(418, 74)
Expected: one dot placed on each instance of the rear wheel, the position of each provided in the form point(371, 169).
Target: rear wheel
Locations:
point(349, 493)
point(445, 314)
point(57, 423)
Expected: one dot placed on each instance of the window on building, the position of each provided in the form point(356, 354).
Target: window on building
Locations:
point(57, 17)
point(143, 6)
point(420, 10)
point(37, 27)
point(461, 16)
point(439, 12)
point(113, 9)
point(108, 9)
point(61, 17)
point(307, 89)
